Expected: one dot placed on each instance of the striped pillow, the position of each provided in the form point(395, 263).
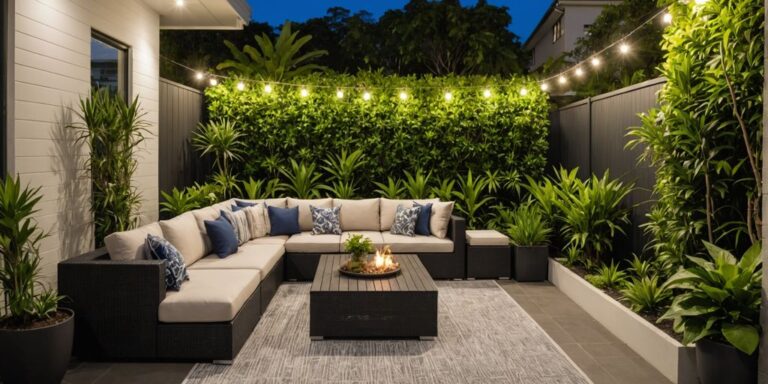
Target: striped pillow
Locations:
point(239, 221)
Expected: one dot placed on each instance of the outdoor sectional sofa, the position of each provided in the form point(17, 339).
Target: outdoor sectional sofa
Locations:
point(123, 310)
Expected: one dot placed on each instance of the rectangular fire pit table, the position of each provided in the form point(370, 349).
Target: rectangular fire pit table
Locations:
point(401, 306)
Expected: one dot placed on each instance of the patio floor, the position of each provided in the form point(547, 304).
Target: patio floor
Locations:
point(596, 351)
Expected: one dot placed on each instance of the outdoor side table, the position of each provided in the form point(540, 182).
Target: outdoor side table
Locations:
point(488, 255)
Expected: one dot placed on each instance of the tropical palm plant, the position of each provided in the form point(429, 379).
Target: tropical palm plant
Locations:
point(261, 189)
point(178, 201)
point(393, 189)
point(417, 184)
point(220, 139)
point(302, 180)
point(471, 197)
point(278, 61)
point(342, 169)
point(444, 189)
point(112, 129)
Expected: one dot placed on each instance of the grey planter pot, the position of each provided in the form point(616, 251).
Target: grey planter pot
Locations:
point(39, 356)
point(530, 263)
point(722, 363)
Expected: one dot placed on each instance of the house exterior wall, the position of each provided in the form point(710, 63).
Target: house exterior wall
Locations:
point(51, 74)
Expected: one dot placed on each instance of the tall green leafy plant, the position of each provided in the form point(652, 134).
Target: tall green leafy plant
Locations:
point(26, 299)
point(720, 298)
point(392, 189)
point(417, 184)
point(527, 227)
point(472, 197)
point(278, 61)
point(705, 138)
point(302, 180)
point(221, 140)
point(343, 169)
point(261, 189)
point(112, 129)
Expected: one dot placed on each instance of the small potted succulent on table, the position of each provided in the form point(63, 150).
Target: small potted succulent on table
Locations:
point(35, 334)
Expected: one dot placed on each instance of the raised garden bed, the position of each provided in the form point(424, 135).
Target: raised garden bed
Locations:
point(674, 360)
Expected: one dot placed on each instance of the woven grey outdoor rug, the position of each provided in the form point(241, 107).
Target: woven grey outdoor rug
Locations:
point(484, 337)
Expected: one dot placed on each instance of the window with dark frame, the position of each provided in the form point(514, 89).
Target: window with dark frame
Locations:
point(557, 30)
point(109, 64)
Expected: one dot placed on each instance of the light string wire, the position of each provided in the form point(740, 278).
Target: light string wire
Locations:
point(542, 82)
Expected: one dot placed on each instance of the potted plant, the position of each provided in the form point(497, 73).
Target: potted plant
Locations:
point(719, 310)
point(358, 246)
point(529, 234)
point(35, 335)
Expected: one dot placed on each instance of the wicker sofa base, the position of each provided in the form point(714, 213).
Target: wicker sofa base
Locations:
point(302, 266)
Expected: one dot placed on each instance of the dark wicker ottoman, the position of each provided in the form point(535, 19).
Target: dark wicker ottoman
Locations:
point(403, 306)
point(488, 255)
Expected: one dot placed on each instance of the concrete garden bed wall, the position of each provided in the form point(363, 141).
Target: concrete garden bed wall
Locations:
point(670, 357)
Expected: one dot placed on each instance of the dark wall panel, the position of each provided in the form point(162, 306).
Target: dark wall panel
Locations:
point(181, 110)
point(574, 136)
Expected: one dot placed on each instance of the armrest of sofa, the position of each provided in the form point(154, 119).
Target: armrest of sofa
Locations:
point(115, 303)
point(457, 231)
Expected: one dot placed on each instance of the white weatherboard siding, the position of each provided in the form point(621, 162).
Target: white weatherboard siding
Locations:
point(52, 73)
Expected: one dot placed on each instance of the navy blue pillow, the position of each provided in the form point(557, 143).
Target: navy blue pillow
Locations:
point(283, 221)
point(244, 204)
point(222, 235)
point(422, 222)
point(175, 270)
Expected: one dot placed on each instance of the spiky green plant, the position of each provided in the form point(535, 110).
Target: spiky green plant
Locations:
point(112, 129)
point(261, 189)
point(641, 267)
point(343, 171)
point(393, 189)
point(417, 184)
point(444, 189)
point(301, 180)
point(607, 277)
point(278, 61)
point(471, 197)
point(645, 294)
point(528, 227)
point(221, 140)
point(178, 202)
point(26, 298)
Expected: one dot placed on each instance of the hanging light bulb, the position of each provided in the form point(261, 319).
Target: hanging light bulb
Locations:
point(448, 96)
point(366, 95)
point(199, 75)
point(579, 72)
point(179, 3)
point(562, 79)
point(487, 93)
point(213, 82)
point(667, 18)
point(523, 92)
point(304, 92)
point(240, 86)
point(403, 95)
point(595, 62)
point(268, 88)
point(624, 48)
point(339, 94)
point(544, 87)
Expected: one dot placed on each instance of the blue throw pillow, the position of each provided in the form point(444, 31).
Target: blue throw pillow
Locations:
point(422, 222)
point(175, 270)
point(283, 221)
point(244, 204)
point(222, 235)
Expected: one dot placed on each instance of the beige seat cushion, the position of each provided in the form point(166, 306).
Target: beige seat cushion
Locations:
point(210, 295)
point(486, 237)
point(389, 207)
point(440, 218)
point(279, 240)
point(279, 203)
point(305, 216)
point(306, 242)
point(358, 215)
point(129, 245)
point(249, 256)
point(184, 233)
point(375, 236)
point(417, 244)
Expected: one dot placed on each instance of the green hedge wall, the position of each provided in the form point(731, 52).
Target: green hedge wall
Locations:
point(506, 132)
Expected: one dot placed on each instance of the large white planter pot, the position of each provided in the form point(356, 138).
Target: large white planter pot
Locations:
point(674, 360)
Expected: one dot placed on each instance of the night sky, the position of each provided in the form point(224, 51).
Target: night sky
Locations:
point(525, 13)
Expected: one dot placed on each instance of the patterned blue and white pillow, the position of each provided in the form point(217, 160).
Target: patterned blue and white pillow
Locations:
point(325, 221)
point(175, 270)
point(405, 221)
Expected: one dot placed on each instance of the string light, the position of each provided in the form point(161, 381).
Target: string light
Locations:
point(240, 86)
point(179, 3)
point(403, 95)
point(213, 82)
point(624, 48)
point(544, 87)
point(523, 92)
point(562, 79)
point(487, 93)
point(448, 96)
point(267, 88)
point(304, 92)
point(667, 18)
point(595, 62)
point(366, 95)
point(579, 72)
point(339, 94)
point(199, 76)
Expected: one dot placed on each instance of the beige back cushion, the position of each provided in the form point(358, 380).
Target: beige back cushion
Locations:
point(389, 207)
point(129, 245)
point(358, 215)
point(184, 233)
point(305, 216)
point(440, 218)
point(279, 203)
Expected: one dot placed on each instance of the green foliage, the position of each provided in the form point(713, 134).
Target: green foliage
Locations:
point(359, 247)
point(471, 196)
point(444, 189)
point(222, 140)
point(607, 277)
point(278, 61)
point(178, 202)
point(393, 189)
point(645, 294)
point(112, 129)
point(302, 180)
point(342, 170)
point(572, 257)
point(527, 226)
point(417, 185)
point(705, 138)
point(25, 297)
point(641, 268)
point(506, 132)
point(261, 189)
point(720, 298)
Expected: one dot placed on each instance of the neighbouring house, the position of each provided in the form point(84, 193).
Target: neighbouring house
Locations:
point(54, 51)
point(562, 25)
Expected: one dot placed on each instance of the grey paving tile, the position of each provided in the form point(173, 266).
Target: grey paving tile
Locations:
point(85, 372)
point(146, 373)
point(632, 370)
point(611, 349)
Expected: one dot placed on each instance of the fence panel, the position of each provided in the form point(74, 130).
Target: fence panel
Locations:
point(591, 134)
